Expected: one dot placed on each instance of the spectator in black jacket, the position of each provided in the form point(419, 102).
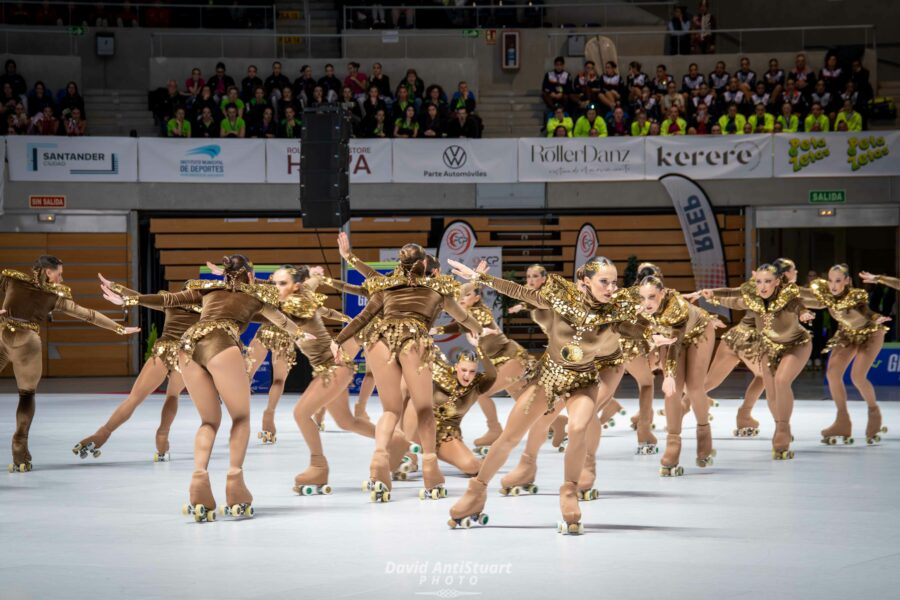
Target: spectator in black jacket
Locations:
point(557, 85)
point(383, 83)
point(331, 85)
point(304, 85)
point(38, 99)
point(206, 100)
point(166, 108)
point(274, 84)
point(463, 126)
point(250, 83)
point(71, 99)
point(206, 126)
point(12, 77)
point(432, 125)
point(220, 82)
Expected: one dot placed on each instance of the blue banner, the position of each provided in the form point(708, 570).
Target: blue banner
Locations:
point(886, 368)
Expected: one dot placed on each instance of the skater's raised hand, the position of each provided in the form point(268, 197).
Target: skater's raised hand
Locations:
point(515, 308)
point(104, 280)
point(882, 319)
point(131, 330)
point(483, 267)
point(693, 296)
point(718, 323)
point(867, 277)
point(344, 245)
point(215, 269)
point(317, 271)
point(111, 296)
point(461, 269)
point(807, 316)
point(668, 386)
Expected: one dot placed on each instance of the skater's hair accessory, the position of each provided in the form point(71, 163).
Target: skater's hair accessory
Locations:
point(237, 270)
point(767, 268)
point(298, 274)
point(466, 356)
point(646, 269)
point(593, 266)
point(45, 261)
point(654, 281)
point(412, 260)
point(842, 267)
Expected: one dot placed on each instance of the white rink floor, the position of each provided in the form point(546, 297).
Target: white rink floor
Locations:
point(825, 525)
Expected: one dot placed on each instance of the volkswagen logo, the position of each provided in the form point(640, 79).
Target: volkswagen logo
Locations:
point(455, 157)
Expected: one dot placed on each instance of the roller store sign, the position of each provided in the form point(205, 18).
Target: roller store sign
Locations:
point(838, 154)
point(581, 159)
point(94, 159)
point(370, 161)
point(455, 161)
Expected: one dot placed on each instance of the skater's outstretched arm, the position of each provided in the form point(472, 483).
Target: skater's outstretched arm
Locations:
point(353, 260)
point(333, 315)
point(280, 320)
point(93, 317)
point(505, 287)
point(373, 307)
point(461, 315)
point(891, 282)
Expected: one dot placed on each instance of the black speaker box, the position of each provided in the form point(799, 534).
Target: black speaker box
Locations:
point(324, 163)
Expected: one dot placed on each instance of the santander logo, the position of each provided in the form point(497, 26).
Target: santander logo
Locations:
point(459, 240)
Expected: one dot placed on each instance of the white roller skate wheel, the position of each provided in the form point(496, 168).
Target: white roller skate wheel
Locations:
point(483, 519)
point(515, 490)
point(307, 490)
point(466, 523)
point(436, 494)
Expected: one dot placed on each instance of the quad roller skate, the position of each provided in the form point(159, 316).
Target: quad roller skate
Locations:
point(314, 480)
point(408, 464)
point(202, 506)
point(434, 479)
point(668, 465)
point(646, 440)
point(379, 483)
point(238, 498)
point(781, 441)
point(162, 447)
point(267, 435)
point(468, 510)
point(841, 428)
point(747, 426)
point(359, 412)
point(606, 415)
point(874, 428)
point(400, 464)
point(557, 433)
point(585, 490)
point(91, 445)
point(483, 443)
point(521, 479)
point(705, 451)
point(21, 456)
point(571, 513)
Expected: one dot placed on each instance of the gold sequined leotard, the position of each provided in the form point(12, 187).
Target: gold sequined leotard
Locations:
point(677, 318)
point(452, 400)
point(856, 321)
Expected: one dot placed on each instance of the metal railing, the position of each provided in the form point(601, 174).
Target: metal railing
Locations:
point(755, 39)
point(474, 14)
point(76, 15)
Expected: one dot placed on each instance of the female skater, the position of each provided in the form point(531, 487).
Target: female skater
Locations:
point(860, 336)
point(891, 282)
point(776, 308)
point(401, 348)
point(163, 363)
point(26, 301)
point(213, 366)
point(507, 356)
point(684, 365)
point(580, 327)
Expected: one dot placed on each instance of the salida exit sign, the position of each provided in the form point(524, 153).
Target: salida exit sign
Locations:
point(827, 196)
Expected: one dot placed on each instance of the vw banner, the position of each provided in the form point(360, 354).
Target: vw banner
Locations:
point(586, 245)
point(581, 159)
point(709, 156)
point(839, 154)
point(91, 159)
point(455, 161)
point(370, 161)
point(701, 234)
point(203, 160)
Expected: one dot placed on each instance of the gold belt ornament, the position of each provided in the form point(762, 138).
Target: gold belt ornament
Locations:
point(12, 324)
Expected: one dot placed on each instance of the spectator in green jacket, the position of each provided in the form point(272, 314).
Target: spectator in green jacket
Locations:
point(589, 121)
point(849, 116)
point(761, 121)
point(559, 118)
point(789, 122)
point(641, 124)
point(733, 122)
point(816, 119)
point(674, 124)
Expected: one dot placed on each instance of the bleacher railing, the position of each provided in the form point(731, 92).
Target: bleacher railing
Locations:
point(78, 15)
point(502, 14)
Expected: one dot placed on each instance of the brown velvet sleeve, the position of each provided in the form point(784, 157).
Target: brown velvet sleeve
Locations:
point(514, 290)
point(86, 314)
point(461, 315)
point(333, 315)
point(182, 298)
point(729, 298)
point(891, 282)
point(373, 307)
point(279, 319)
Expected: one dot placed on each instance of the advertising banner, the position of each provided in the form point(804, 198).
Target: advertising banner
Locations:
point(581, 159)
point(709, 156)
point(839, 154)
point(90, 159)
point(370, 161)
point(455, 161)
point(202, 160)
point(701, 234)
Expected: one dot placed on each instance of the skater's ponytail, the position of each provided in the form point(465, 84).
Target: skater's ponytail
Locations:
point(40, 266)
point(646, 269)
point(782, 266)
point(237, 269)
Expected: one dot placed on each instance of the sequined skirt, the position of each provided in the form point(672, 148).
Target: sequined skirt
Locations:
point(279, 343)
point(697, 333)
point(517, 352)
point(558, 381)
point(447, 424)
point(326, 369)
point(632, 348)
point(743, 341)
point(205, 339)
point(399, 335)
point(168, 352)
point(844, 338)
point(773, 351)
